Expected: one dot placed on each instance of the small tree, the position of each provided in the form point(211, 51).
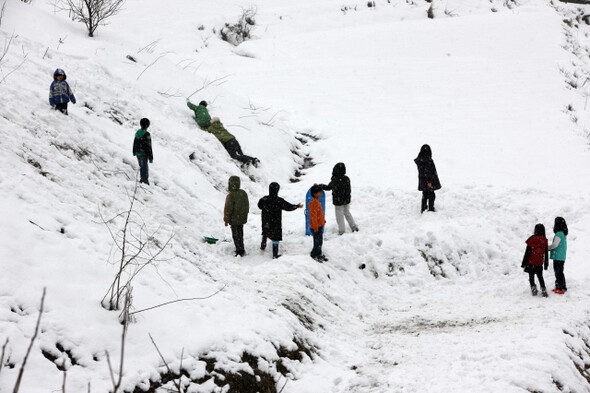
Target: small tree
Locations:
point(135, 248)
point(94, 13)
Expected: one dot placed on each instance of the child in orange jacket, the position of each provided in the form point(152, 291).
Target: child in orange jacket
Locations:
point(316, 223)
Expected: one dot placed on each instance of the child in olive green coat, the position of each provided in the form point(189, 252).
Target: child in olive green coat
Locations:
point(236, 211)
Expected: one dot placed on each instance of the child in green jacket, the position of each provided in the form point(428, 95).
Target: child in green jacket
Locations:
point(142, 149)
point(201, 113)
point(558, 250)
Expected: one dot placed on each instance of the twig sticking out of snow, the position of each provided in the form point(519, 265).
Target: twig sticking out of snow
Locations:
point(217, 82)
point(22, 367)
point(117, 384)
point(176, 383)
point(3, 353)
point(179, 300)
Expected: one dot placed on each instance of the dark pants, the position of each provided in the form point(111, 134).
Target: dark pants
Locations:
point(318, 240)
point(275, 246)
point(428, 198)
point(536, 271)
point(144, 172)
point(263, 243)
point(235, 151)
point(559, 277)
point(237, 233)
point(63, 108)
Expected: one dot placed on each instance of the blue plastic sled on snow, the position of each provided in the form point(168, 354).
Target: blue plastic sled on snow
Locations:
point(308, 199)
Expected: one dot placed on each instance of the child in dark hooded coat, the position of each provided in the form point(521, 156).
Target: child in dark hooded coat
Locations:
point(341, 197)
point(272, 207)
point(60, 93)
point(427, 178)
point(535, 257)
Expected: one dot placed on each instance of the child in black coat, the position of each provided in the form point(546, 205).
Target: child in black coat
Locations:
point(427, 178)
point(272, 207)
point(341, 197)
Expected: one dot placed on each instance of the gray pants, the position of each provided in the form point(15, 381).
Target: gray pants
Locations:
point(341, 213)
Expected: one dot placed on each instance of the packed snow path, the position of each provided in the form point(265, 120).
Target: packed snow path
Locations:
point(441, 305)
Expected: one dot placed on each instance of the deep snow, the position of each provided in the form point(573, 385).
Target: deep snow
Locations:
point(442, 304)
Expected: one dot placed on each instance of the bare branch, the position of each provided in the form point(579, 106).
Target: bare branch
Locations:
point(179, 300)
point(117, 383)
point(149, 47)
point(63, 385)
point(151, 64)
point(22, 367)
point(3, 353)
point(2, 12)
point(215, 82)
point(177, 384)
point(283, 388)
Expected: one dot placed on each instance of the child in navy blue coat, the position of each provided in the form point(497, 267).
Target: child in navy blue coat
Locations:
point(60, 93)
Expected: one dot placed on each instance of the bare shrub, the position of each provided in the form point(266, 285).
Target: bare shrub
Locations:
point(135, 249)
point(94, 13)
point(240, 31)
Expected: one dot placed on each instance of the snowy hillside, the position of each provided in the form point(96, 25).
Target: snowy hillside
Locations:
point(411, 303)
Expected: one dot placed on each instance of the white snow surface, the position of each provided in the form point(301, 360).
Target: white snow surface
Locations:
point(442, 305)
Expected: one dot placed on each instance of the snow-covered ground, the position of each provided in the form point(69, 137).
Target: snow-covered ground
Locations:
point(441, 305)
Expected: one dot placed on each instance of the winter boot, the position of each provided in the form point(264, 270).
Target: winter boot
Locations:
point(544, 292)
point(534, 290)
point(275, 251)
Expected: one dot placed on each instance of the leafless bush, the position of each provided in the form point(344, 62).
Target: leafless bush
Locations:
point(94, 13)
point(240, 31)
point(430, 12)
point(135, 248)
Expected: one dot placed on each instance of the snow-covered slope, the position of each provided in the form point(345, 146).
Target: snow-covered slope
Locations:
point(441, 304)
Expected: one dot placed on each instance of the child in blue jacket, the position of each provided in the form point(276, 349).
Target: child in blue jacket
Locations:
point(60, 93)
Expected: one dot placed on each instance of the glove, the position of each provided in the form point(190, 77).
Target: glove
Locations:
point(151, 161)
point(188, 100)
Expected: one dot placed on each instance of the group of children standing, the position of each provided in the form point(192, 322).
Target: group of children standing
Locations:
point(272, 207)
point(236, 210)
point(536, 256)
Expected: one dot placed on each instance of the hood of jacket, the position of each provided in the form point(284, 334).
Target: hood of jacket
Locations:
point(140, 133)
point(273, 189)
point(339, 169)
point(234, 183)
point(59, 71)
